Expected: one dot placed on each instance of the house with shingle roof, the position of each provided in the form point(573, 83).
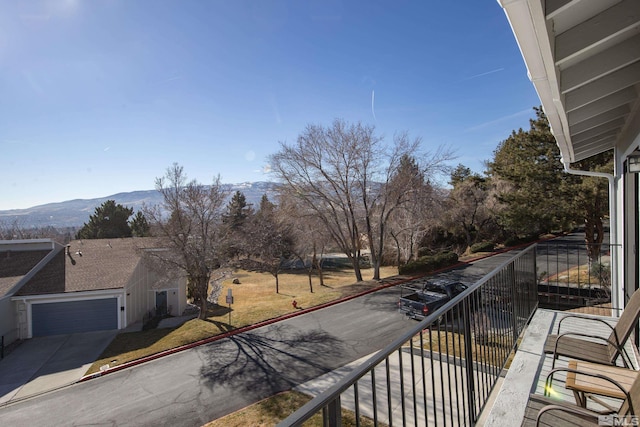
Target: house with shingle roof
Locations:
point(20, 260)
point(88, 285)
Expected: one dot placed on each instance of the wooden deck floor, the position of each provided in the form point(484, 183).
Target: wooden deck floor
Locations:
point(530, 366)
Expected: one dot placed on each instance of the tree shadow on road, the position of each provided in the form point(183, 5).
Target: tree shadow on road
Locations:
point(262, 365)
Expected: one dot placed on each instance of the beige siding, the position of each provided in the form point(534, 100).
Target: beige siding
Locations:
point(136, 291)
point(141, 294)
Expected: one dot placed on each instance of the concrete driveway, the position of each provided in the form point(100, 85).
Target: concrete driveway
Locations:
point(47, 363)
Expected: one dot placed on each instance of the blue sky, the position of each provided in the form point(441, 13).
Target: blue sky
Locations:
point(101, 96)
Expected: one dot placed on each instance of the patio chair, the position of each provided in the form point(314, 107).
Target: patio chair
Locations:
point(594, 348)
point(551, 412)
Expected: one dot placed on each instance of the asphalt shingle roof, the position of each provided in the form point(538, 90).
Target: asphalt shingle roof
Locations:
point(15, 264)
point(90, 265)
point(6, 283)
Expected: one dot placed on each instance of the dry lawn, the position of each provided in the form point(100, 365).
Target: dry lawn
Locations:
point(579, 274)
point(255, 300)
point(492, 352)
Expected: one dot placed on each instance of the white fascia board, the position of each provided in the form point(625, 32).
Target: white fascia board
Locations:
point(28, 244)
point(70, 296)
point(528, 23)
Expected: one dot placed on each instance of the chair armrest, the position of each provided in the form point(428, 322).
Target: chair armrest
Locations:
point(580, 334)
point(578, 316)
point(549, 380)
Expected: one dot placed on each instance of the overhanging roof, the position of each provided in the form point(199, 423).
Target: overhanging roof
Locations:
point(583, 57)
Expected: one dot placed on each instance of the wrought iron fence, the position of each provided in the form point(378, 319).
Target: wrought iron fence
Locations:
point(443, 370)
point(570, 278)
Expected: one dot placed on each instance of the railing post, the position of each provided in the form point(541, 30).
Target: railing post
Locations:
point(332, 413)
point(511, 277)
point(533, 293)
point(468, 358)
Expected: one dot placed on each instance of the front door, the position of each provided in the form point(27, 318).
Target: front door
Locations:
point(161, 303)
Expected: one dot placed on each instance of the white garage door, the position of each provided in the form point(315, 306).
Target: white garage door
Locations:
point(74, 316)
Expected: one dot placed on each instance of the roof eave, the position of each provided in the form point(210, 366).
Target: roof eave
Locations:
point(528, 23)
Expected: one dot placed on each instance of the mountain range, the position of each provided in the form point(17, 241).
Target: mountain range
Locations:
point(74, 213)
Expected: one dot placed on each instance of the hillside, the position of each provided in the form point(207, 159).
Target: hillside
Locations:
point(76, 212)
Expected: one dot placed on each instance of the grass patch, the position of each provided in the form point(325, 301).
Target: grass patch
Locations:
point(580, 275)
point(493, 351)
point(255, 300)
point(272, 410)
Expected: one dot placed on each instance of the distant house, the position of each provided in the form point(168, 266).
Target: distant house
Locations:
point(89, 285)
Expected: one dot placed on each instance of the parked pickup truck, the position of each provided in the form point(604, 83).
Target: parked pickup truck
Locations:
point(422, 300)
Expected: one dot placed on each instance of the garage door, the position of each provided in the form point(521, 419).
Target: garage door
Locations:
point(74, 316)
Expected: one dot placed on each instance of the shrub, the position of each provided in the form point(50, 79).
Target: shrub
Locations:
point(424, 251)
point(602, 272)
point(426, 264)
point(482, 247)
point(512, 241)
point(446, 258)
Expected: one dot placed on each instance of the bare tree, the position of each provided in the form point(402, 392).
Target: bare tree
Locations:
point(410, 223)
point(469, 207)
point(410, 202)
point(12, 229)
point(310, 237)
point(342, 173)
point(188, 224)
point(271, 240)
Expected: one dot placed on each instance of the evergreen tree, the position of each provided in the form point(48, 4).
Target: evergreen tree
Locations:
point(537, 196)
point(460, 174)
point(237, 211)
point(109, 221)
point(234, 222)
point(266, 207)
point(140, 226)
point(591, 200)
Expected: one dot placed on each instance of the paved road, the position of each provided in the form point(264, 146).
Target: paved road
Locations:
point(195, 386)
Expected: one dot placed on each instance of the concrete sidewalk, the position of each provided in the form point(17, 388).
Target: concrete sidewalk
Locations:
point(43, 364)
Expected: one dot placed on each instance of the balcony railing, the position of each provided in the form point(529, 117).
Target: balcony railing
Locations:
point(443, 371)
point(573, 275)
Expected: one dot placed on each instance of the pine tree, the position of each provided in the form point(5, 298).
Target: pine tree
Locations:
point(140, 226)
point(109, 221)
point(537, 193)
point(237, 211)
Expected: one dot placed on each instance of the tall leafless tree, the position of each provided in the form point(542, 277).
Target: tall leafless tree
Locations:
point(469, 207)
point(187, 222)
point(310, 238)
point(342, 173)
point(410, 223)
